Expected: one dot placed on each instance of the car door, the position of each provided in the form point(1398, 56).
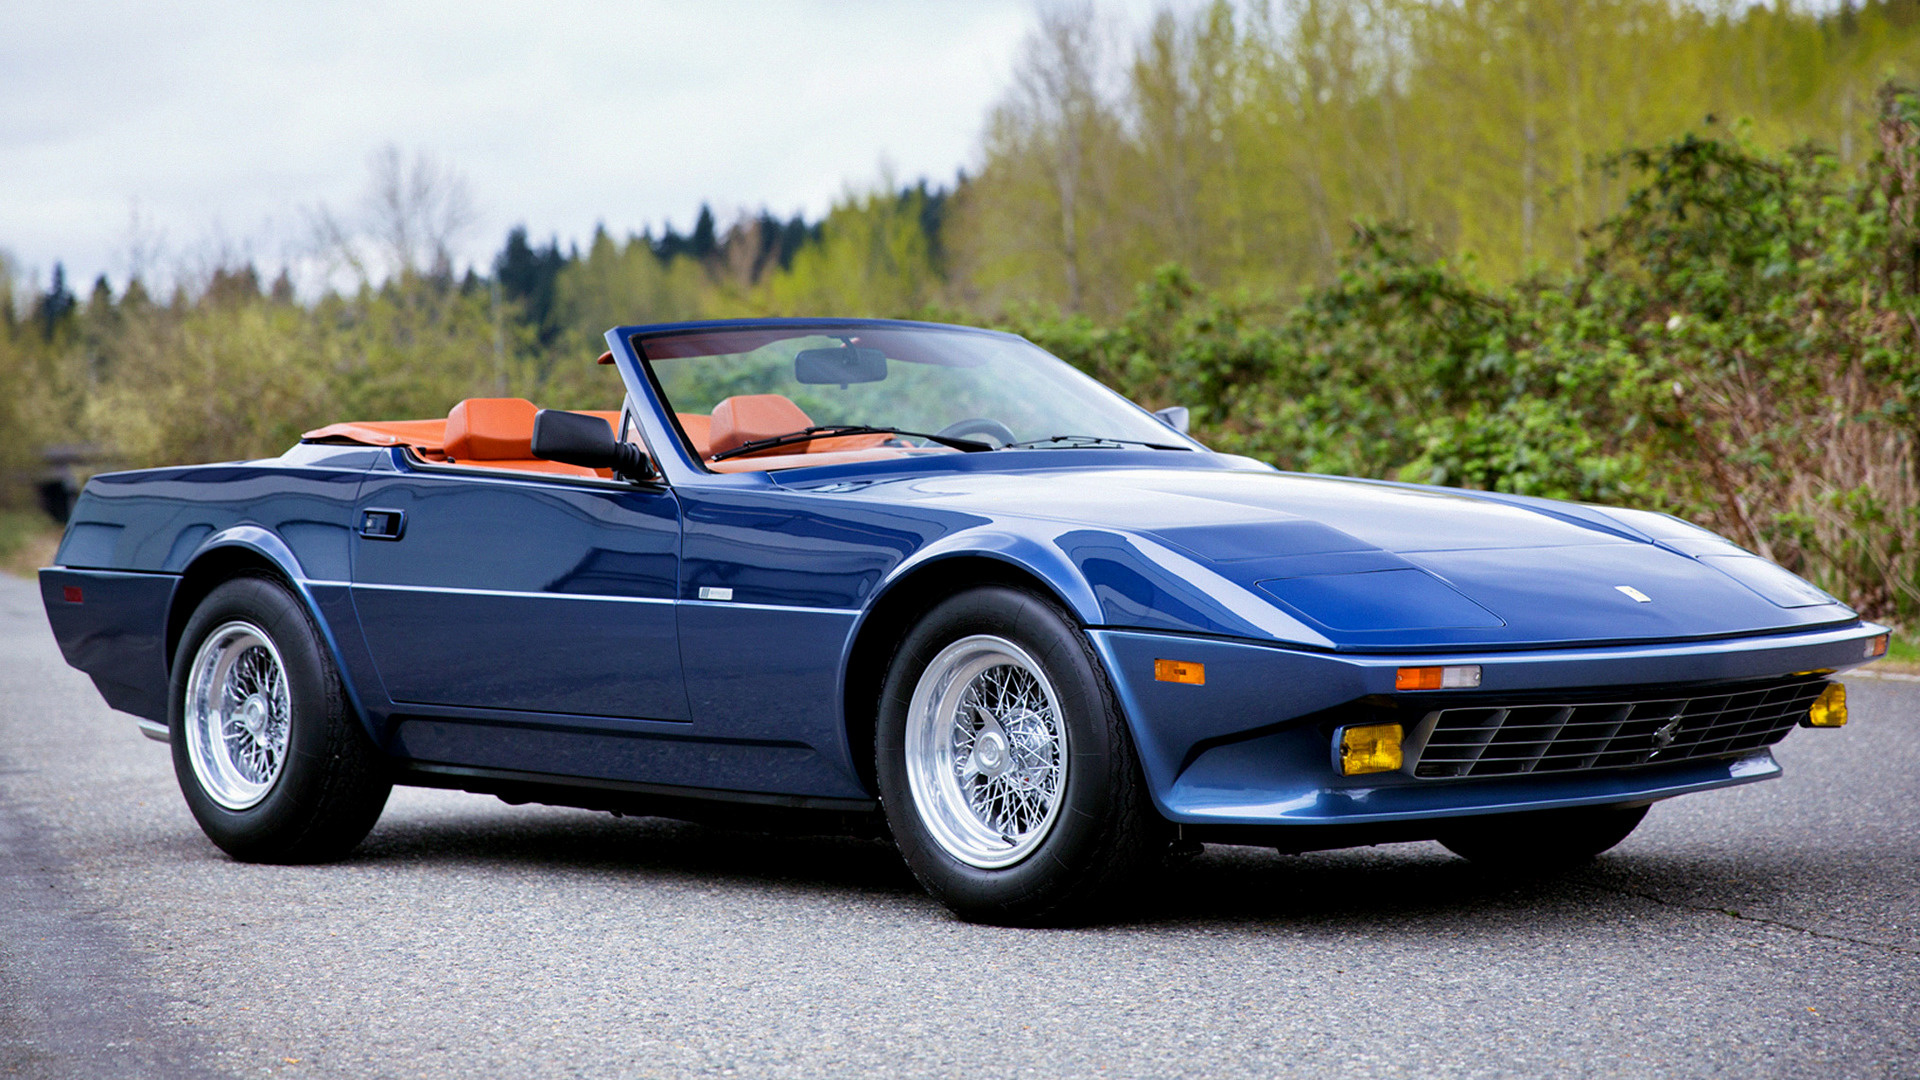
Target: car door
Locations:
point(773, 581)
point(487, 591)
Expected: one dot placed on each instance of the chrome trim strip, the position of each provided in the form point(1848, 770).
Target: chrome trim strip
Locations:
point(771, 607)
point(153, 729)
point(512, 593)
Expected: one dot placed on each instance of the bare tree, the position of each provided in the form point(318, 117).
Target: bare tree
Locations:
point(1060, 101)
point(142, 246)
point(412, 216)
point(417, 213)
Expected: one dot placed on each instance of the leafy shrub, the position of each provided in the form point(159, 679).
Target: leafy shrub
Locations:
point(1741, 347)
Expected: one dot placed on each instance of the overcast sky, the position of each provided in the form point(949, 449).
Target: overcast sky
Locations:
point(226, 123)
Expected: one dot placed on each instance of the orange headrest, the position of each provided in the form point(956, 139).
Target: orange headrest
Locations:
point(490, 429)
point(747, 417)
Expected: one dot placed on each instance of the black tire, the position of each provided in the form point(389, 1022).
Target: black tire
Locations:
point(1541, 841)
point(1104, 830)
point(331, 783)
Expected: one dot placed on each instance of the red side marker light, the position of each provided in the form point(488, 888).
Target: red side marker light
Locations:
point(1183, 671)
point(71, 594)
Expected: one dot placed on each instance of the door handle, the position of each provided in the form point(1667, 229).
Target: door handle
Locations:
point(383, 524)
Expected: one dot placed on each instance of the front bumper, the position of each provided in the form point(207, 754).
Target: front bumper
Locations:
point(1252, 745)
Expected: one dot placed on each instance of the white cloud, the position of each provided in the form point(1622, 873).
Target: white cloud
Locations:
point(228, 119)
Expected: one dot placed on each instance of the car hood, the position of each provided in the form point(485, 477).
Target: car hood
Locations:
point(1354, 564)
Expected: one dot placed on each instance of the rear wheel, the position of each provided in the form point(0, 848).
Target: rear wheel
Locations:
point(1541, 840)
point(272, 761)
point(1006, 771)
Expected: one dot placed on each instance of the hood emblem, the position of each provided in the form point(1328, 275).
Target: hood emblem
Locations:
point(1663, 738)
point(1635, 593)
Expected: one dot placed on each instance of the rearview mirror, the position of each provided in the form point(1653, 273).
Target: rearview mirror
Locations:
point(578, 439)
point(849, 364)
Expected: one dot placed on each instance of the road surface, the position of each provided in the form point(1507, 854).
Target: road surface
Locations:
point(1770, 930)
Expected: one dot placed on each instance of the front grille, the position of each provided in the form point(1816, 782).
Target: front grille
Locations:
point(1509, 740)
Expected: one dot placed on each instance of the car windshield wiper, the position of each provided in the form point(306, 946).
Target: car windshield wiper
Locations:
point(828, 431)
point(1089, 440)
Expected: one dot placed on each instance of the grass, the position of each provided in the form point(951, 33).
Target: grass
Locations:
point(28, 539)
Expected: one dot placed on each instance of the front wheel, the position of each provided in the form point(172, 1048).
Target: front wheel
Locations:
point(273, 763)
point(1006, 771)
point(1541, 840)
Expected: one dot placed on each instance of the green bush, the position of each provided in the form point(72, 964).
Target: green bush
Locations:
point(1741, 347)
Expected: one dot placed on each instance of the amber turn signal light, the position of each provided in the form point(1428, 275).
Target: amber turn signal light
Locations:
point(1463, 677)
point(1877, 647)
point(1369, 748)
point(1829, 709)
point(1185, 671)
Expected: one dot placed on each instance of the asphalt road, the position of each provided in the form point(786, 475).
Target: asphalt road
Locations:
point(1770, 930)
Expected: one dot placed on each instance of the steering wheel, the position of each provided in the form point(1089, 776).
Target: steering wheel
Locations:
point(979, 425)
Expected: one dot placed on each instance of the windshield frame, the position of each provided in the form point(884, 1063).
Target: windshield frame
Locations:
point(637, 338)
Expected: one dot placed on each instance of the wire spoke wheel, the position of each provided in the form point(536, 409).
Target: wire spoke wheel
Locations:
point(1010, 785)
point(986, 751)
point(238, 713)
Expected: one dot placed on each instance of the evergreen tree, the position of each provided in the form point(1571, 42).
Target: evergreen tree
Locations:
point(54, 310)
point(702, 243)
point(233, 286)
point(526, 275)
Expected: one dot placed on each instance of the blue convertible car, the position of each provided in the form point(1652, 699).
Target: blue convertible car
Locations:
point(865, 571)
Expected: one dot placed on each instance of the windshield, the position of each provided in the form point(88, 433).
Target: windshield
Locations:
point(746, 397)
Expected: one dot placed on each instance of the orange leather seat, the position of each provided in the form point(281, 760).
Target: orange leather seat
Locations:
point(745, 417)
point(494, 432)
point(498, 433)
point(490, 429)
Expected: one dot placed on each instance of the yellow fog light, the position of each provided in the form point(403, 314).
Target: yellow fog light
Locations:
point(1829, 709)
point(1369, 748)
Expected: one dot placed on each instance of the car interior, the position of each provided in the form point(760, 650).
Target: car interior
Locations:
point(497, 433)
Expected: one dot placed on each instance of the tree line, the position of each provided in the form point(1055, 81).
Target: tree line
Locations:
point(1628, 251)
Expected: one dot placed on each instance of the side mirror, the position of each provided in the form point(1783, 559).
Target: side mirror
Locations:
point(579, 439)
point(1176, 417)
